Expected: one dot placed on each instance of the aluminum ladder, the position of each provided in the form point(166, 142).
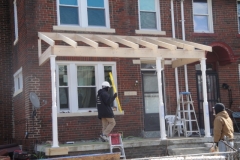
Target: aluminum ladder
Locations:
point(186, 112)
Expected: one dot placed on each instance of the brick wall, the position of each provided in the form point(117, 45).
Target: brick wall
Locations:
point(6, 76)
point(40, 16)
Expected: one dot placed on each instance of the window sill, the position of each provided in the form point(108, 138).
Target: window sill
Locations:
point(86, 29)
point(204, 34)
point(154, 32)
point(83, 114)
point(17, 92)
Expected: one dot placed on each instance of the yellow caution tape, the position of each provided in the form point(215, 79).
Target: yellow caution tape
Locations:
point(115, 91)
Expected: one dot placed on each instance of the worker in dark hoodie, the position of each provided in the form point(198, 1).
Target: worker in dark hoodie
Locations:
point(223, 126)
point(105, 112)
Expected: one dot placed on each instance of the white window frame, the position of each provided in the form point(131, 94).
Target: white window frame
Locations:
point(83, 16)
point(18, 82)
point(15, 21)
point(72, 83)
point(156, 31)
point(210, 18)
point(238, 16)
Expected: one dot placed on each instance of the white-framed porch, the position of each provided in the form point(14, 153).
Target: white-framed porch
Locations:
point(179, 53)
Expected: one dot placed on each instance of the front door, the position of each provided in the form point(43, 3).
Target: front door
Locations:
point(212, 96)
point(151, 101)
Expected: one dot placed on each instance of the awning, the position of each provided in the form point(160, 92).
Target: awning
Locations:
point(183, 52)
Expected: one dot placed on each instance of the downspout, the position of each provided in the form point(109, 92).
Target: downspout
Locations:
point(185, 66)
point(176, 69)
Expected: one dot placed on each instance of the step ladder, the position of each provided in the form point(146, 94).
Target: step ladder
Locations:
point(115, 141)
point(186, 112)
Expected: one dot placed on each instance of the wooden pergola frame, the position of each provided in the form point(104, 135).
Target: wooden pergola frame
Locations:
point(183, 52)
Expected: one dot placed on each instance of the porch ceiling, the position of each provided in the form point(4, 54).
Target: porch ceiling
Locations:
point(183, 52)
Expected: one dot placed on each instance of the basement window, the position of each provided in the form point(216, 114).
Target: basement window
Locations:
point(18, 82)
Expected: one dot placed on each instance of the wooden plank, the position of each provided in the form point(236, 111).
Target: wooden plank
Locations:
point(39, 47)
point(196, 45)
point(107, 156)
point(56, 151)
point(46, 39)
point(45, 56)
point(106, 41)
point(179, 44)
point(87, 41)
point(68, 40)
point(161, 43)
point(125, 42)
point(85, 51)
point(143, 43)
point(181, 62)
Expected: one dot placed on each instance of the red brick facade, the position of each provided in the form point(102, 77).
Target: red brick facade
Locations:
point(41, 16)
point(6, 81)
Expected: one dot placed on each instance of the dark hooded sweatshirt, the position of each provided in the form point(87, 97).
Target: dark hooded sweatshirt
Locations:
point(103, 104)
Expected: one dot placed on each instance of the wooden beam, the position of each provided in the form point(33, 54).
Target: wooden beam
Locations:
point(39, 47)
point(181, 62)
point(196, 45)
point(56, 151)
point(67, 40)
point(46, 39)
point(161, 43)
point(106, 41)
point(143, 43)
point(45, 56)
point(85, 51)
point(125, 42)
point(87, 41)
point(178, 44)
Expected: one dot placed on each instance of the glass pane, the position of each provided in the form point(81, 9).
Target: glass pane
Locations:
point(86, 75)
point(200, 7)
point(63, 77)
point(148, 20)
point(63, 98)
point(96, 17)
point(150, 83)
point(95, 3)
point(148, 66)
point(147, 5)
point(68, 15)
point(151, 103)
point(87, 97)
point(69, 2)
point(201, 23)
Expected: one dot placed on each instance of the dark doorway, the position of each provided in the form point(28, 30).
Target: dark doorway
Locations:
point(151, 101)
point(213, 96)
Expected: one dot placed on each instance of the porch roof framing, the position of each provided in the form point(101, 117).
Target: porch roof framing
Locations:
point(183, 52)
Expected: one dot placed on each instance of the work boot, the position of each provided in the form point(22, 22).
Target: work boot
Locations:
point(104, 138)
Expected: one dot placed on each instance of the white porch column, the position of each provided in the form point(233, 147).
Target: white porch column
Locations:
point(54, 104)
point(161, 105)
point(205, 102)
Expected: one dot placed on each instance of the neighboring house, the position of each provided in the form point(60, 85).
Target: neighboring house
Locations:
point(83, 40)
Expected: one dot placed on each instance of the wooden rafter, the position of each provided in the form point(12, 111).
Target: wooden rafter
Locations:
point(161, 43)
point(125, 42)
point(181, 62)
point(67, 40)
point(106, 41)
point(179, 44)
point(143, 43)
point(87, 41)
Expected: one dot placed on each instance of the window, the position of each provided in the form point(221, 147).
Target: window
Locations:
point(78, 84)
point(18, 82)
point(149, 14)
point(84, 13)
point(238, 10)
point(15, 21)
point(202, 16)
